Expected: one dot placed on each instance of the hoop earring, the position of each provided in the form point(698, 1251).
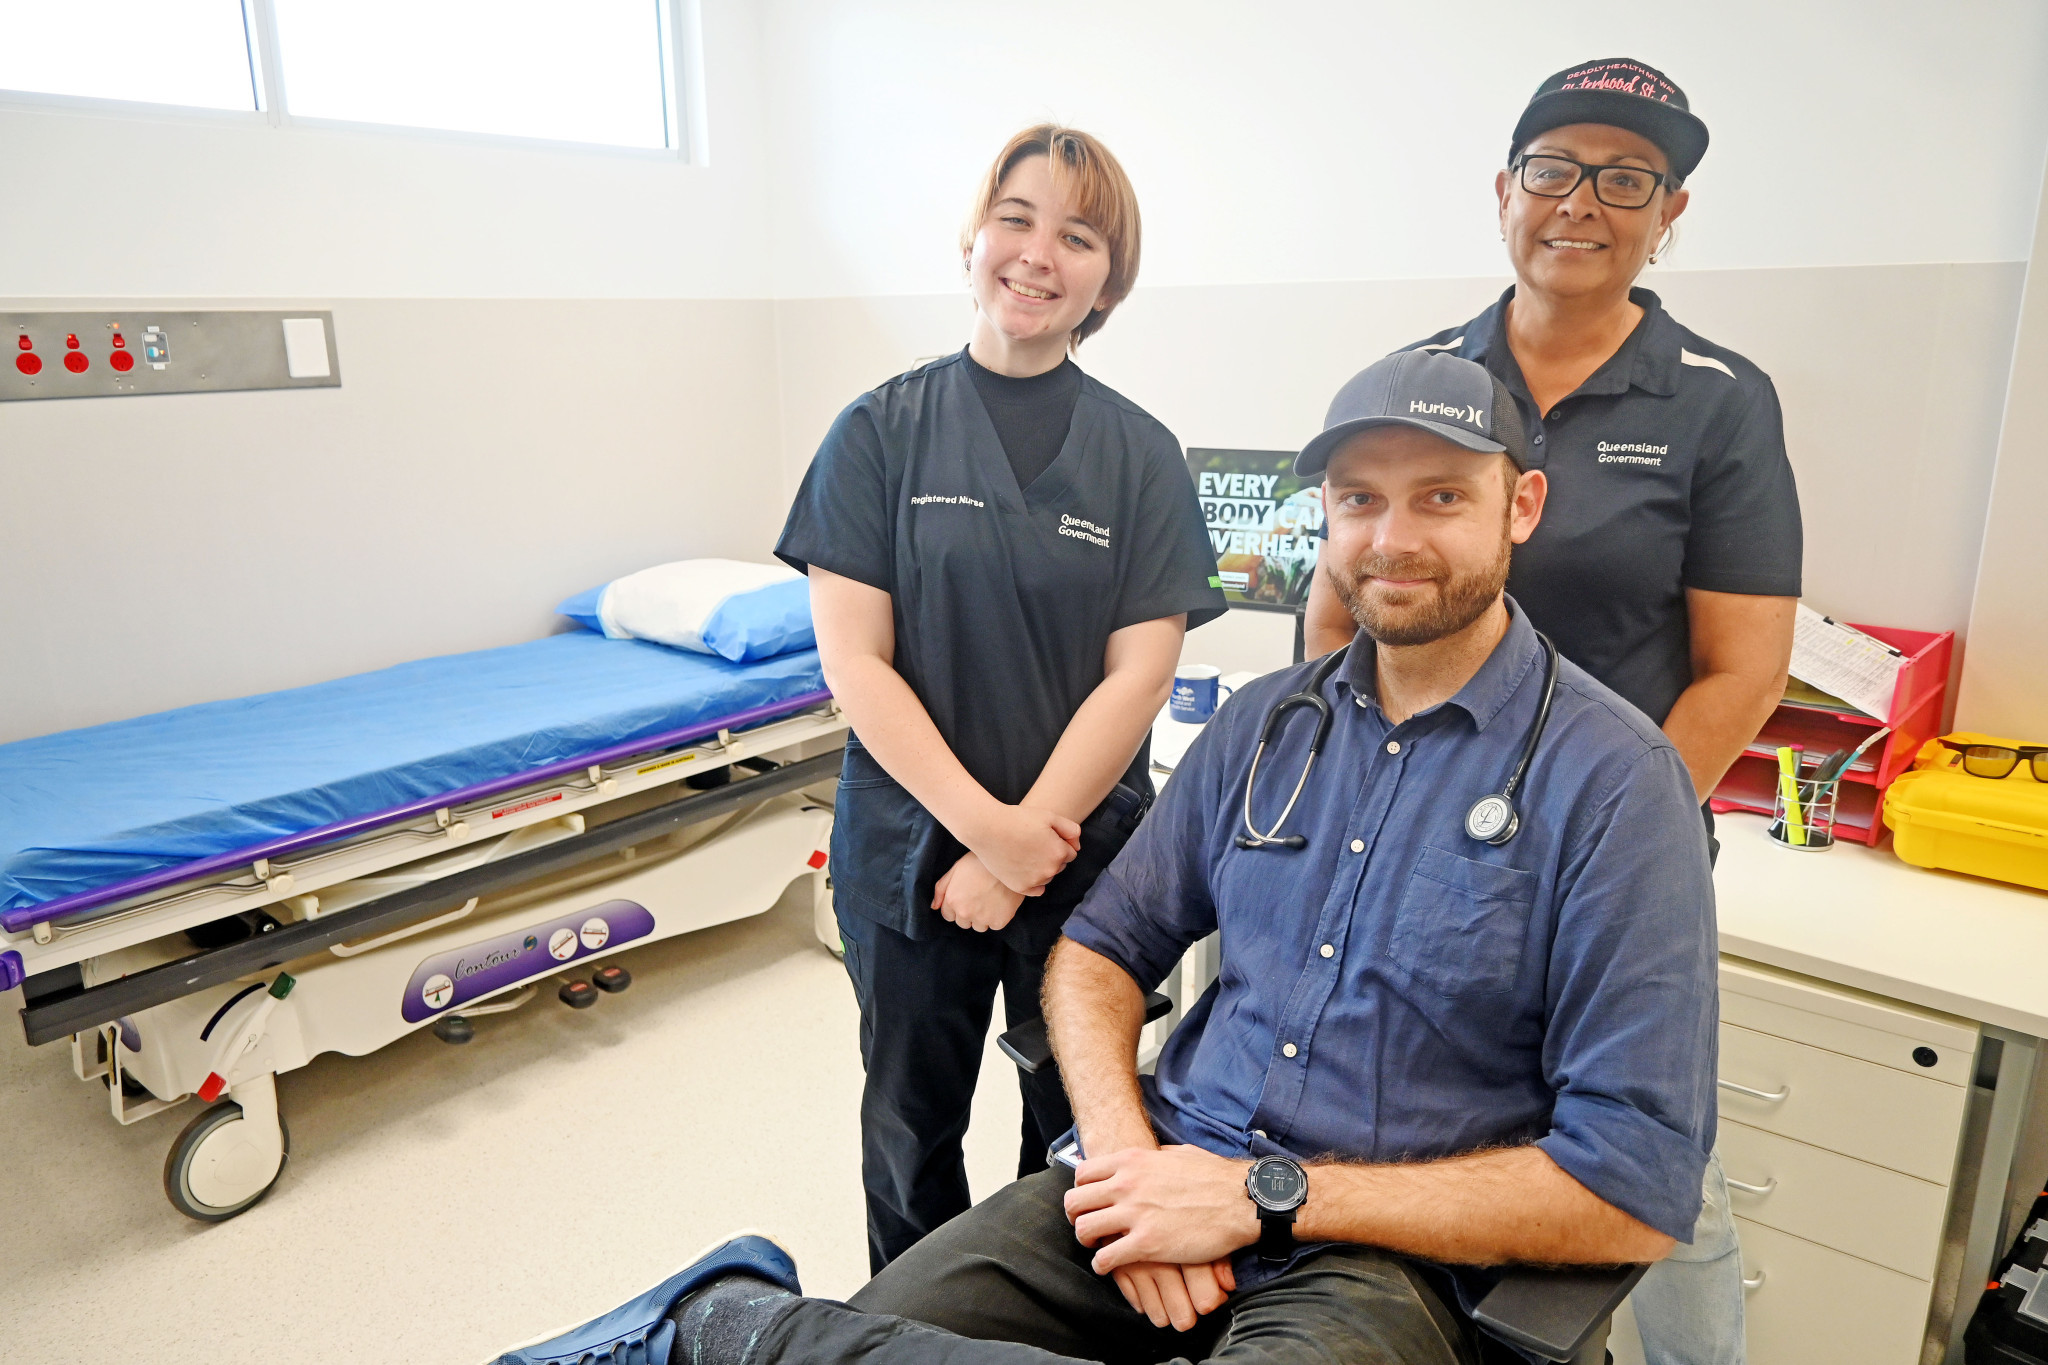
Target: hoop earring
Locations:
point(1658, 252)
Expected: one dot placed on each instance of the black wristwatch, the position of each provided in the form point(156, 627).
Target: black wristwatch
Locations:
point(1278, 1186)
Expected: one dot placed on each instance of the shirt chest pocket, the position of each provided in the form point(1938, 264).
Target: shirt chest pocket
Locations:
point(1461, 924)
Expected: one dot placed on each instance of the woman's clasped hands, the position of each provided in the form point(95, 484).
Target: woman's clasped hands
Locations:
point(1014, 854)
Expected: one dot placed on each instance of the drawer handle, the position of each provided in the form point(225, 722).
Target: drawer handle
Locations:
point(1765, 1095)
point(1769, 1184)
point(1756, 1283)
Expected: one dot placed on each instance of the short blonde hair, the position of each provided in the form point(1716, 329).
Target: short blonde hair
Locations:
point(1102, 194)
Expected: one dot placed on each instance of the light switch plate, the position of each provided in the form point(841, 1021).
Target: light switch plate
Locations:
point(305, 348)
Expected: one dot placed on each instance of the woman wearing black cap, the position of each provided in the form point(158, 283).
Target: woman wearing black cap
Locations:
point(1667, 562)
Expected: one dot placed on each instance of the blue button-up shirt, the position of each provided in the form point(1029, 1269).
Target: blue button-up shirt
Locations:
point(1397, 990)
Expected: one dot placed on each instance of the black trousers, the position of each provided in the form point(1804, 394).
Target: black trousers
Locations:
point(924, 1015)
point(1007, 1284)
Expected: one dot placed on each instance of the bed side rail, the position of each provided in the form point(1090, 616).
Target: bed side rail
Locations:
point(63, 1012)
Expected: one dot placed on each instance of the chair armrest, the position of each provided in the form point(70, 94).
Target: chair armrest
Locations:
point(1553, 1311)
point(1028, 1046)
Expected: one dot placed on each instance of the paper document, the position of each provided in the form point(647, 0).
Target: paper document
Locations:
point(1858, 668)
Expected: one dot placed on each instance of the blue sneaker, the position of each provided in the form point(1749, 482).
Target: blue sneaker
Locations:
point(638, 1332)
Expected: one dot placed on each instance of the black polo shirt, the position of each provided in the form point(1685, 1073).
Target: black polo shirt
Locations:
point(1004, 597)
point(1667, 471)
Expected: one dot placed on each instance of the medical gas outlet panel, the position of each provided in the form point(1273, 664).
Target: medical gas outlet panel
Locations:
point(119, 354)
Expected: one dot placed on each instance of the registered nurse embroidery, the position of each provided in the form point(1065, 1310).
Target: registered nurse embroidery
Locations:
point(1084, 530)
point(1632, 452)
point(962, 501)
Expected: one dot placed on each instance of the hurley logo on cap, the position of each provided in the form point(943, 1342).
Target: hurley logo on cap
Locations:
point(1624, 78)
point(1475, 416)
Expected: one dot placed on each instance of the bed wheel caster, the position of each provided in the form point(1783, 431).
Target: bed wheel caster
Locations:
point(578, 995)
point(217, 1169)
point(453, 1028)
point(612, 979)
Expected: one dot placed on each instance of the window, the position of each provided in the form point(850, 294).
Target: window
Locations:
point(593, 71)
point(193, 52)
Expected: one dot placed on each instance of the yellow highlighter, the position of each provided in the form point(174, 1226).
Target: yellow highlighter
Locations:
point(1788, 794)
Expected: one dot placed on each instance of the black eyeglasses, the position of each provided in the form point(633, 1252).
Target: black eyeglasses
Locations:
point(1996, 760)
point(1618, 187)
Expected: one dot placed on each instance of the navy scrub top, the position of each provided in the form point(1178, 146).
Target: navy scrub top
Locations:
point(1667, 471)
point(1004, 599)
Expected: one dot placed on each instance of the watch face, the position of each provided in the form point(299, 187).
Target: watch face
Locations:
point(1277, 1183)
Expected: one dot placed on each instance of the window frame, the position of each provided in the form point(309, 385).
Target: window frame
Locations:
point(682, 77)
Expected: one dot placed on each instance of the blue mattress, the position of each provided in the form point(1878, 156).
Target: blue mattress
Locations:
point(86, 808)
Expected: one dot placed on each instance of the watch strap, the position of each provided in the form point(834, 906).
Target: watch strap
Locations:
point(1276, 1235)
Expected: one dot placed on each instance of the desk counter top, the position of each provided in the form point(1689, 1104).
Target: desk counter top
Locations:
point(1861, 917)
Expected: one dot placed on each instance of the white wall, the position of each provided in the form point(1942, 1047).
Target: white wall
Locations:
point(2005, 672)
point(481, 460)
point(1337, 140)
point(125, 206)
point(156, 552)
point(1317, 183)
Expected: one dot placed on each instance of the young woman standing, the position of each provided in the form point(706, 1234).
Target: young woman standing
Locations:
point(1004, 556)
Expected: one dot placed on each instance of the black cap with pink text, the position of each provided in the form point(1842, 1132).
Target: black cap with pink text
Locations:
point(1622, 94)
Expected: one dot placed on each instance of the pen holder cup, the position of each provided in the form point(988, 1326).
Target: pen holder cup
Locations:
point(1810, 828)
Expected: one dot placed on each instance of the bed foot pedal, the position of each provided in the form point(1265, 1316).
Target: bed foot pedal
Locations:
point(611, 979)
point(453, 1028)
point(577, 995)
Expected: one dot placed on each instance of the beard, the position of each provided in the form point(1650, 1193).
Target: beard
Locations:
point(1446, 605)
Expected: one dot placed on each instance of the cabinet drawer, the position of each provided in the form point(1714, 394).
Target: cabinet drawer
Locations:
point(1949, 1059)
point(1917, 1041)
point(1876, 1113)
point(1837, 1201)
point(1813, 1306)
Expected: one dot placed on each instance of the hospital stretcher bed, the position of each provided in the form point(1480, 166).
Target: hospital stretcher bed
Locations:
point(202, 899)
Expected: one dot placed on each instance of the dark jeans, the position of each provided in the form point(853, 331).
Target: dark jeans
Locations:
point(1007, 1284)
point(924, 1016)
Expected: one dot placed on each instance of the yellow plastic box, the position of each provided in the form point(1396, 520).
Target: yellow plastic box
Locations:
point(1943, 817)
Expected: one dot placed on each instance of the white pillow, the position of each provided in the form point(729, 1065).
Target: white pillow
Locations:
point(729, 607)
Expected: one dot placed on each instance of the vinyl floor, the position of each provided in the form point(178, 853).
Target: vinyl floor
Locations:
point(444, 1202)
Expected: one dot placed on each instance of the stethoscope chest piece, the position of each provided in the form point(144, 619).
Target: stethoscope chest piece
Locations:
point(1492, 820)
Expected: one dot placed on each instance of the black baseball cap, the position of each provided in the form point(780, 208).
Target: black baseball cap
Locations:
point(1623, 94)
point(1442, 394)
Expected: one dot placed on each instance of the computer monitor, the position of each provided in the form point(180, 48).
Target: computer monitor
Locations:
point(1262, 522)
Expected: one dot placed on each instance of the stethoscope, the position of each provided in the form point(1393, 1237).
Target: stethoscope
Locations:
point(1493, 819)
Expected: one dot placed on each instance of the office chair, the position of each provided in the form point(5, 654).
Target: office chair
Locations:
point(1561, 1315)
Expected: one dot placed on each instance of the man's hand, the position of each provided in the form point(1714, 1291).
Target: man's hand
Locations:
point(1175, 1294)
point(970, 896)
point(1024, 846)
point(1179, 1205)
